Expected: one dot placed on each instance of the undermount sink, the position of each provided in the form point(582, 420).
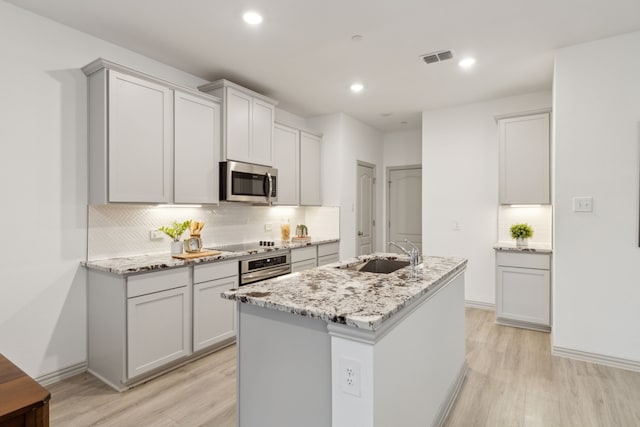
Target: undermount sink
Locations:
point(383, 266)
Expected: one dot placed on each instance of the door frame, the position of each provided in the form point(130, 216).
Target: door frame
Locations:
point(388, 204)
point(373, 204)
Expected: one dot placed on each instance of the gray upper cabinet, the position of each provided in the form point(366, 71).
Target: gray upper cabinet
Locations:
point(310, 158)
point(286, 154)
point(197, 149)
point(525, 159)
point(247, 123)
point(131, 139)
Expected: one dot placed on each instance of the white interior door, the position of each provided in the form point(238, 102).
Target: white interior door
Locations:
point(365, 215)
point(405, 206)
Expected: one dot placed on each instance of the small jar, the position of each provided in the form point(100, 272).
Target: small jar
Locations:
point(285, 231)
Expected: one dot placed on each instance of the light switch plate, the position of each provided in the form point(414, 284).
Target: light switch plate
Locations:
point(583, 204)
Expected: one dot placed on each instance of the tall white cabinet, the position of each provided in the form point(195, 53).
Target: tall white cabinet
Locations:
point(139, 126)
point(310, 166)
point(286, 158)
point(525, 159)
point(247, 123)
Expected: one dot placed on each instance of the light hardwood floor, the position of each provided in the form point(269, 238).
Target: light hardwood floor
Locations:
point(513, 381)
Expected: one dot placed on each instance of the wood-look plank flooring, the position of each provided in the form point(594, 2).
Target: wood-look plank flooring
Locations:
point(513, 381)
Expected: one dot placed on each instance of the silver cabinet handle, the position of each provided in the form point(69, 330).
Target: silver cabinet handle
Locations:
point(360, 233)
point(270, 188)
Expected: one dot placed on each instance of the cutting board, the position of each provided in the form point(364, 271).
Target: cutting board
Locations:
point(197, 254)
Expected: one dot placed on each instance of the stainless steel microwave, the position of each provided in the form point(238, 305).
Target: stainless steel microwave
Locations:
point(245, 182)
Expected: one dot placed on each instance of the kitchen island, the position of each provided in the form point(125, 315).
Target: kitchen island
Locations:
point(334, 346)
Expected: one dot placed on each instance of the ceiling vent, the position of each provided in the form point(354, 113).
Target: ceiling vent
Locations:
point(433, 57)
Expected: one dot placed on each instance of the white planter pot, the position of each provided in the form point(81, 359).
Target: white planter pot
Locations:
point(176, 248)
point(521, 242)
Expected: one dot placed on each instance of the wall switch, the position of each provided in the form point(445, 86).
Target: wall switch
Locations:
point(455, 226)
point(583, 204)
point(156, 235)
point(268, 227)
point(350, 376)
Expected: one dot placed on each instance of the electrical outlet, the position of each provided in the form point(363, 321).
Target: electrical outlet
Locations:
point(268, 227)
point(155, 235)
point(583, 204)
point(350, 376)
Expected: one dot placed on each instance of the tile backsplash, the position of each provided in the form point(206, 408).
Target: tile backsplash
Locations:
point(538, 217)
point(124, 230)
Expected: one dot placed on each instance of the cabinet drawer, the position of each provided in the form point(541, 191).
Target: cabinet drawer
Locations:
point(328, 259)
point(523, 260)
point(303, 265)
point(328, 249)
point(214, 271)
point(155, 282)
point(303, 254)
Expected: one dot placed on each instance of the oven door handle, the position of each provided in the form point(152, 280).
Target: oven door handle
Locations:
point(265, 274)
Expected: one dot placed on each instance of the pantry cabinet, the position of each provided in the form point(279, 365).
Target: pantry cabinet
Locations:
point(524, 159)
point(136, 124)
point(523, 290)
point(286, 158)
point(247, 123)
point(214, 318)
point(197, 149)
point(310, 167)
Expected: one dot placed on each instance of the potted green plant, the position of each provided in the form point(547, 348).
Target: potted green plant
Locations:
point(521, 232)
point(174, 231)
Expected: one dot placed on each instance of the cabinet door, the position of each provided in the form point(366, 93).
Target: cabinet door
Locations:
point(237, 121)
point(523, 295)
point(310, 154)
point(158, 330)
point(303, 265)
point(524, 160)
point(140, 140)
point(197, 149)
point(286, 158)
point(261, 151)
point(213, 316)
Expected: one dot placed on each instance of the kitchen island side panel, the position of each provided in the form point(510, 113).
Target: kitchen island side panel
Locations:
point(284, 361)
point(424, 356)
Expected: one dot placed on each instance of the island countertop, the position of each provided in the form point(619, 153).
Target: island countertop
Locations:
point(336, 294)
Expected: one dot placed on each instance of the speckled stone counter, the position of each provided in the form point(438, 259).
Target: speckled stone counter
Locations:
point(144, 263)
point(531, 248)
point(336, 294)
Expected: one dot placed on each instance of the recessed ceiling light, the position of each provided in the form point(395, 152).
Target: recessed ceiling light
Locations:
point(252, 18)
point(467, 62)
point(357, 87)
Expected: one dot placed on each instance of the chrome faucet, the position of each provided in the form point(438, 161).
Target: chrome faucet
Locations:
point(414, 255)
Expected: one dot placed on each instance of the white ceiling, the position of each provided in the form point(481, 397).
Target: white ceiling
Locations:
point(303, 55)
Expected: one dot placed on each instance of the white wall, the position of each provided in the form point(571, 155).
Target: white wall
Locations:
point(43, 174)
point(400, 148)
point(596, 272)
point(460, 184)
point(345, 141)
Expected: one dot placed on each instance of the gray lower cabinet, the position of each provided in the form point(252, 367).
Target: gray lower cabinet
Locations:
point(303, 258)
point(214, 318)
point(523, 290)
point(328, 253)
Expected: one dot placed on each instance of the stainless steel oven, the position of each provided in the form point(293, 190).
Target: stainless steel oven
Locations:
point(264, 266)
point(245, 182)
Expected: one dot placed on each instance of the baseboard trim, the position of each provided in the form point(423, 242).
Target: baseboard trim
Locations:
point(452, 395)
point(479, 304)
point(61, 374)
point(522, 324)
point(600, 359)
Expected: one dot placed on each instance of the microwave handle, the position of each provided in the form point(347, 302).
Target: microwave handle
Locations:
point(270, 188)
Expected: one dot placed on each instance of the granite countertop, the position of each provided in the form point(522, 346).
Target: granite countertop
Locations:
point(531, 248)
point(334, 294)
point(155, 262)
